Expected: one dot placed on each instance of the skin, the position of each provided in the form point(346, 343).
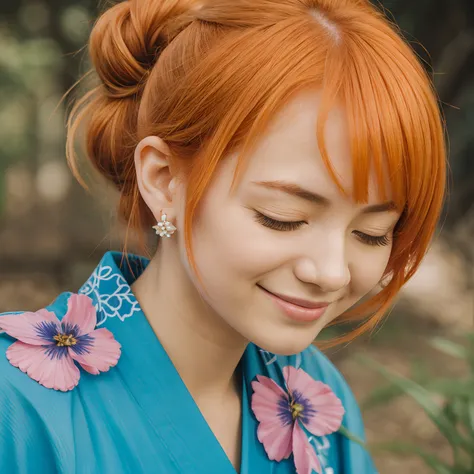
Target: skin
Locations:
point(205, 329)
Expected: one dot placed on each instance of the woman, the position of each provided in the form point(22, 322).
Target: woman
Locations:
point(290, 156)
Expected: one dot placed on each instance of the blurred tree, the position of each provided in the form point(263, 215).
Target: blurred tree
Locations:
point(442, 33)
point(56, 31)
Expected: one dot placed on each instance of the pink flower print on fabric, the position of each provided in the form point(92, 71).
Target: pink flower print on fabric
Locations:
point(282, 415)
point(47, 348)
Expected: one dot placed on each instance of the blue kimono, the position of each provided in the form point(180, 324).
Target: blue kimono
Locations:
point(139, 416)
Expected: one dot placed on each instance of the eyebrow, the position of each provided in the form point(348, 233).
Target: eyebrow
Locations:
point(296, 190)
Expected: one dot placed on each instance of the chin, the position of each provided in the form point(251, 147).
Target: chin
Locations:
point(283, 342)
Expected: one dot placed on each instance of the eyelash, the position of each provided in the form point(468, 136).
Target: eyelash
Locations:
point(277, 225)
point(380, 241)
point(281, 226)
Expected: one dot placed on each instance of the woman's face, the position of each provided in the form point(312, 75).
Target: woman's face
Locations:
point(287, 230)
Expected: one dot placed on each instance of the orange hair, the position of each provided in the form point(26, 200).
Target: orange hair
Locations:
point(207, 77)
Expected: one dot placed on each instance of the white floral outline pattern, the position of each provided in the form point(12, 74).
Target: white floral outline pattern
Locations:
point(321, 446)
point(121, 303)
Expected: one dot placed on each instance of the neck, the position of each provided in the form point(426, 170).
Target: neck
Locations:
point(204, 349)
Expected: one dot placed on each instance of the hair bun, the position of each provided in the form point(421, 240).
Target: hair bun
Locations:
point(127, 40)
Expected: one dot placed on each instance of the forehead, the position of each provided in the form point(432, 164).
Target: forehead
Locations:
point(289, 149)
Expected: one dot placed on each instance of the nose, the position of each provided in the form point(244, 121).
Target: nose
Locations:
point(325, 265)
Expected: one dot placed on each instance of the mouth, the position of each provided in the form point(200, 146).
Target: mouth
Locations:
point(297, 309)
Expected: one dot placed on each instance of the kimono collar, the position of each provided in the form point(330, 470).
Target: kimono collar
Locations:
point(109, 286)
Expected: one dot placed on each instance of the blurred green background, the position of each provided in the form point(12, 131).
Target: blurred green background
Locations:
point(52, 233)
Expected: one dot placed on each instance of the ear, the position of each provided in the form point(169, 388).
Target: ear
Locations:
point(156, 184)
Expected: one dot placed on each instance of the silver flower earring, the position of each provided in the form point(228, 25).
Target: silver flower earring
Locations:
point(164, 228)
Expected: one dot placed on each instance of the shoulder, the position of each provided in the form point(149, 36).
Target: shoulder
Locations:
point(12, 379)
point(33, 419)
point(8, 373)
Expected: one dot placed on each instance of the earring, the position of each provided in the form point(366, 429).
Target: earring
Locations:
point(164, 228)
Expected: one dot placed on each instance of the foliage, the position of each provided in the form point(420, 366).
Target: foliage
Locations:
point(448, 402)
point(36, 67)
point(42, 43)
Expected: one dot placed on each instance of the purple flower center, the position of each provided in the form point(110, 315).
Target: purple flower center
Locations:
point(63, 337)
point(297, 406)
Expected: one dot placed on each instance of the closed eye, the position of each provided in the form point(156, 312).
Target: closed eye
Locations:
point(274, 224)
point(373, 240)
point(287, 226)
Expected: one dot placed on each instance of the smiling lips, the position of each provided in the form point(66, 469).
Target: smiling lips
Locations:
point(296, 308)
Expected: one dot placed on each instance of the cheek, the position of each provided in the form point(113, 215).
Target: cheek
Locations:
point(231, 254)
point(231, 245)
point(368, 270)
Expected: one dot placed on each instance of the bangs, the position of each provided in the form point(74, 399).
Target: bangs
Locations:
point(393, 114)
point(393, 117)
point(395, 128)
